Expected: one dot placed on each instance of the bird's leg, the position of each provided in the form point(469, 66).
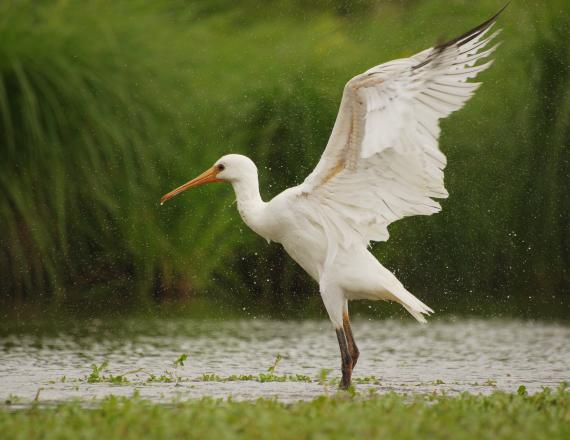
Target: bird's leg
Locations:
point(346, 359)
point(352, 348)
point(335, 302)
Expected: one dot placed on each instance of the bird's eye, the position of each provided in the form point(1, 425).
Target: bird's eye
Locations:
point(221, 167)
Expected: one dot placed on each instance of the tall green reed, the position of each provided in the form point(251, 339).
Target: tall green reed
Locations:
point(92, 99)
point(106, 106)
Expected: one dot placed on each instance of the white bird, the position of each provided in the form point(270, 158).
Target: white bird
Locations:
point(382, 163)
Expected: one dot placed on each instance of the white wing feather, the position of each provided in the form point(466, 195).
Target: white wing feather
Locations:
point(382, 161)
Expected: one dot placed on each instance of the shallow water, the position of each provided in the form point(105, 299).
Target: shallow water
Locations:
point(478, 356)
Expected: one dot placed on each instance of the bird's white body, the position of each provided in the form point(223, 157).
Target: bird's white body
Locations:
point(354, 273)
point(382, 163)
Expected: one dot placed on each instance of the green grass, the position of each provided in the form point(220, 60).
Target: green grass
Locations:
point(105, 106)
point(545, 415)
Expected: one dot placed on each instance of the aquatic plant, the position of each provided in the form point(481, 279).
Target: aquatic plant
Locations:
point(179, 362)
point(96, 370)
point(97, 375)
point(276, 362)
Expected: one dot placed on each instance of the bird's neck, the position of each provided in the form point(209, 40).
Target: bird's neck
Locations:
point(247, 191)
point(250, 205)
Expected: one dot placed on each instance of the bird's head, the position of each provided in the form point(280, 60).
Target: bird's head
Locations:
point(230, 168)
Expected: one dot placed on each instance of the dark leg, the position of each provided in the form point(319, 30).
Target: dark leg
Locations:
point(352, 348)
point(346, 359)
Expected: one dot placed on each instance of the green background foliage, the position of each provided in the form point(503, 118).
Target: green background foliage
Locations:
point(105, 106)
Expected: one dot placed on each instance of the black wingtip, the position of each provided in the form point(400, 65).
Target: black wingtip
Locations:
point(463, 39)
point(473, 33)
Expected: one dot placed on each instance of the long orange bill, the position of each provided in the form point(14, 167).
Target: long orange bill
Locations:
point(207, 176)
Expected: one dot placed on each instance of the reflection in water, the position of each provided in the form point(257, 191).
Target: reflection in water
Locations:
point(471, 355)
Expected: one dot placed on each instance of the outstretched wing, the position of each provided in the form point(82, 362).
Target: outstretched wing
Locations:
point(382, 161)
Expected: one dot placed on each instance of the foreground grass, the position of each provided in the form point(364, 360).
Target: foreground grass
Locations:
point(500, 415)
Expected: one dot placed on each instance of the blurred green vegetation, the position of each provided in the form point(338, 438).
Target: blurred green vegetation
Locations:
point(107, 105)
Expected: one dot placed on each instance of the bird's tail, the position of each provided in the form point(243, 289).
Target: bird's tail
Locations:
point(418, 312)
point(398, 293)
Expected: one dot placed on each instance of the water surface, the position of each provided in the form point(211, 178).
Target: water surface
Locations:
point(449, 356)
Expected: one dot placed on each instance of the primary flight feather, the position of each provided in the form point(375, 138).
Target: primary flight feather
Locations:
point(381, 163)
